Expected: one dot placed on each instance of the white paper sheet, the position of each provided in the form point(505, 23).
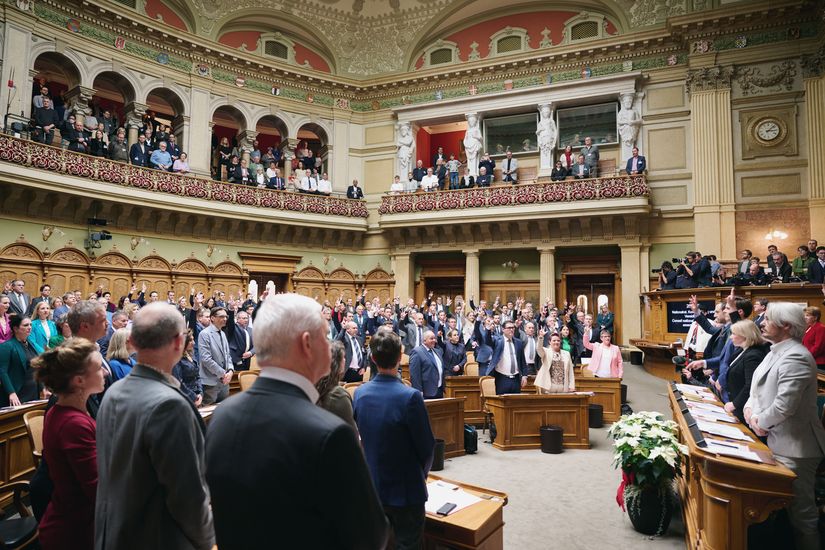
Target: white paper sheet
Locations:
point(441, 493)
point(705, 406)
point(696, 390)
point(722, 429)
point(731, 449)
point(701, 414)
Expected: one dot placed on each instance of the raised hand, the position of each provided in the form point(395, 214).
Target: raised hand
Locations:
point(694, 303)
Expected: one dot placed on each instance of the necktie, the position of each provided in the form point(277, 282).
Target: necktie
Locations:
point(22, 302)
point(418, 340)
point(531, 348)
point(357, 349)
point(513, 362)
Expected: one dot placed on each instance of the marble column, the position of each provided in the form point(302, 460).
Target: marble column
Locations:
point(288, 146)
point(713, 183)
point(77, 102)
point(631, 314)
point(245, 139)
point(404, 272)
point(813, 70)
point(134, 120)
point(198, 135)
point(644, 268)
point(547, 273)
point(472, 275)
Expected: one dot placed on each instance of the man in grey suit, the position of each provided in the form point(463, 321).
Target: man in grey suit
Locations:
point(509, 169)
point(215, 358)
point(591, 156)
point(152, 494)
point(415, 328)
point(427, 367)
point(782, 406)
point(19, 301)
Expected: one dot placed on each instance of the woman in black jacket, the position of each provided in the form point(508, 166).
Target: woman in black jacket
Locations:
point(746, 336)
point(188, 374)
point(558, 173)
point(454, 355)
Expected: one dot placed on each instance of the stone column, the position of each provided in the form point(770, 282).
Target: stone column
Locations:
point(338, 157)
point(288, 146)
point(547, 273)
point(16, 46)
point(198, 137)
point(644, 267)
point(813, 70)
point(77, 102)
point(631, 314)
point(245, 139)
point(472, 275)
point(714, 214)
point(134, 120)
point(404, 272)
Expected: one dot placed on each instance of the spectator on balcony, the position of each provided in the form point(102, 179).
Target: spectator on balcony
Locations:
point(274, 179)
point(232, 169)
point(441, 173)
point(771, 250)
point(181, 165)
point(109, 123)
point(667, 277)
point(559, 172)
point(419, 172)
point(756, 276)
point(98, 146)
point(65, 128)
point(309, 183)
point(45, 121)
point(173, 147)
point(509, 169)
point(467, 181)
point(268, 157)
point(161, 159)
point(355, 192)
point(37, 101)
point(483, 179)
point(119, 149)
point(397, 187)
point(103, 133)
point(260, 177)
point(139, 152)
point(591, 156)
point(744, 261)
point(636, 164)
point(90, 122)
point(324, 186)
point(224, 158)
point(567, 158)
point(150, 143)
point(305, 157)
point(430, 181)
point(488, 164)
point(799, 267)
point(78, 139)
point(439, 156)
point(255, 161)
point(452, 167)
point(242, 173)
point(581, 170)
point(162, 134)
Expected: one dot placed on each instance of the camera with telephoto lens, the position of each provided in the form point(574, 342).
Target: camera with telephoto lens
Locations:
point(658, 270)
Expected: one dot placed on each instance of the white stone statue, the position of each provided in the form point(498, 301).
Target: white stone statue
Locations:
point(472, 143)
point(629, 122)
point(406, 147)
point(546, 136)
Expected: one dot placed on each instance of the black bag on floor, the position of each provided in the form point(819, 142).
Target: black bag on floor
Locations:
point(626, 409)
point(470, 439)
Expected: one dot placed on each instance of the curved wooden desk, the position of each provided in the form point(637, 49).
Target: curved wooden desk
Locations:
point(722, 496)
point(519, 416)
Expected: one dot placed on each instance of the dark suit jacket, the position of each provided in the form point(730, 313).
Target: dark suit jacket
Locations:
point(103, 343)
point(276, 183)
point(454, 354)
point(740, 375)
point(14, 308)
point(13, 367)
point(304, 482)
point(816, 273)
point(419, 173)
point(483, 180)
point(785, 271)
point(424, 371)
point(484, 343)
point(558, 174)
point(237, 343)
point(138, 157)
point(75, 144)
point(33, 304)
point(574, 171)
point(397, 439)
point(641, 165)
point(344, 338)
point(436, 157)
point(466, 182)
point(499, 350)
point(354, 192)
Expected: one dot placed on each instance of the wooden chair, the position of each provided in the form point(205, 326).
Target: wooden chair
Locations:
point(351, 387)
point(18, 532)
point(366, 376)
point(405, 359)
point(471, 369)
point(246, 378)
point(487, 385)
point(253, 364)
point(471, 356)
point(34, 427)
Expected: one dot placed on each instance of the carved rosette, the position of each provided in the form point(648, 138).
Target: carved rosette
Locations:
point(709, 79)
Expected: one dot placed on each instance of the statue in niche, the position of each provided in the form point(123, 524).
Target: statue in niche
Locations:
point(405, 144)
point(628, 121)
point(546, 135)
point(472, 143)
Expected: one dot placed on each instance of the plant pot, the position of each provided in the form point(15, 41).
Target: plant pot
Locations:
point(650, 509)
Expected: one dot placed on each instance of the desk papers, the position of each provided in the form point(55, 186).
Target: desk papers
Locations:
point(441, 492)
point(721, 429)
point(731, 449)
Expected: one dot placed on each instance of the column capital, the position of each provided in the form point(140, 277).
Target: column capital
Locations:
point(550, 248)
point(813, 66)
point(472, 252)
point(134, 113)
point(709, 79)
point(78, 99)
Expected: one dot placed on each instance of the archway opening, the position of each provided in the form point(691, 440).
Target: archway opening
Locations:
point(58, 74)
point(227, 123)
point(113, 93)
point(271, 131)
point(312, 148)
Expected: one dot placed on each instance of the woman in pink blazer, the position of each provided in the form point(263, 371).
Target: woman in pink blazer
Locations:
point(607, 358)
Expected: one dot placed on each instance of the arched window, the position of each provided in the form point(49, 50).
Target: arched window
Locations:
point(509, 40)
point(443, 55)
point(276, 49)
point(584, 26)
point(276, 44)
point(442, 52)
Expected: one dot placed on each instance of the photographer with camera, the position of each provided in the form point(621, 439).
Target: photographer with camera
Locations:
point(667, 276)
point(684, 276)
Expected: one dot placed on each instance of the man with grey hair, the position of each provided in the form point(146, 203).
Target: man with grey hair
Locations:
point(215, 358)
point(87, 319)
point(304, 479)
point(782, 406)
point(151, 490)
point(355, 358)
point(119, 320)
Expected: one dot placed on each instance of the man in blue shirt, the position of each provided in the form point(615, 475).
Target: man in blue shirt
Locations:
point(161, 159)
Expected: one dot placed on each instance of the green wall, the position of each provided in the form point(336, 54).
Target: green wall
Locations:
point(666, 252)
point(490, 265)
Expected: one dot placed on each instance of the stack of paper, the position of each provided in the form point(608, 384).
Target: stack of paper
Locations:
point(705, 406)
point(722, 429)
point(731, 449)
point(712, 416)
point(441, 492)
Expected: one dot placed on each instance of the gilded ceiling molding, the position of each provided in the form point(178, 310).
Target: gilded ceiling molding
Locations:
point(709, 79)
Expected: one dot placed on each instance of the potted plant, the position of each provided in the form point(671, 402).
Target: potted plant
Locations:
point(648, 451)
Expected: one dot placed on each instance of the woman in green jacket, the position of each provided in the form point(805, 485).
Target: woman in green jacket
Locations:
point(16, 374)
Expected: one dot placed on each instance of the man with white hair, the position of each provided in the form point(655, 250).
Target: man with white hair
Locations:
point(782, 406)
point(304, 480)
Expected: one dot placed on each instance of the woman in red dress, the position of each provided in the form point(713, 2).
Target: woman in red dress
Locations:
point(814, 338)
point(72, 371)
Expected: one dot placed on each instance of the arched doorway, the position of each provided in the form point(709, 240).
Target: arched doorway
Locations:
point(58, 74)
point(165, 107)
point(313, 138)
point(113, 92)
point(227, 123)
point(271, 131)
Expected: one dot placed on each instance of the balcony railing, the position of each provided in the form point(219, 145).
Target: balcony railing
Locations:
point(45, 157)
point(517, 195)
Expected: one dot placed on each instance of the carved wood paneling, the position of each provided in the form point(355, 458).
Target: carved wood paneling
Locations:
point(343, 283)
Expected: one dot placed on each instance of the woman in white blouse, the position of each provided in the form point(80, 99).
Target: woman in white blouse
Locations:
point(556, 372)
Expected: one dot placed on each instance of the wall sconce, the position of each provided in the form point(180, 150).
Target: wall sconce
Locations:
point(775, 234)
point(135, 242)
point(47, 232)
point(511, 264)
point(210, 249)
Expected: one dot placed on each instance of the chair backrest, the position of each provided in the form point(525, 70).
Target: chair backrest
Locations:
point(253, 364)
point(487, 384)
point(406, 382)
point(471, 369)
point(405, 359)
point(471, 356)
point(34, 427)
point(351, 387)
point(366, 376)
point(246, 378)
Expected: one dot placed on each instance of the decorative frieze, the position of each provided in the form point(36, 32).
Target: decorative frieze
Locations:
point(781, 77)
point(709, 79)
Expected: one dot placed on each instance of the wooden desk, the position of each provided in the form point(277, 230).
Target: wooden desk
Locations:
point(722, 496)
point(479, 526)
point(518, 418)
point(447, 422)
point(607, 392)
point(658, 358)
point(466, 387)
point(16, 462)
point(234, 384)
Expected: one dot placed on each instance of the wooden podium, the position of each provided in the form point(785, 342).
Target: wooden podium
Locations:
point(519, 416)
point(607, 392)
point(479, 526)
point(447, 422)
point(466, 387)
point(722, 496)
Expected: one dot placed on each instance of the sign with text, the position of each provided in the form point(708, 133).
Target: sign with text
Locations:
point(680, 316)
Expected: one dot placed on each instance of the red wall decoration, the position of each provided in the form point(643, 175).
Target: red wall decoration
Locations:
point(236, 39)
point(155, 7)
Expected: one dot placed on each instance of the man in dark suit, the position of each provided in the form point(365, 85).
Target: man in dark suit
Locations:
point(354, 191)
point(507, 364)
point(415, 331)
point(781, 268)
point(635, 164)
point(304, 481)
point(239, 336)
point(483, 179)
point(439, 155)
point(78, 139)
point(397, 439)
point(45, 121)
point(45, 292)
point(419, 172)
point(355, 360)
point(816, 267)
point(19, 300)
point(427, 367)
point(482, 343)
point(140, 152)
point(119, 320)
